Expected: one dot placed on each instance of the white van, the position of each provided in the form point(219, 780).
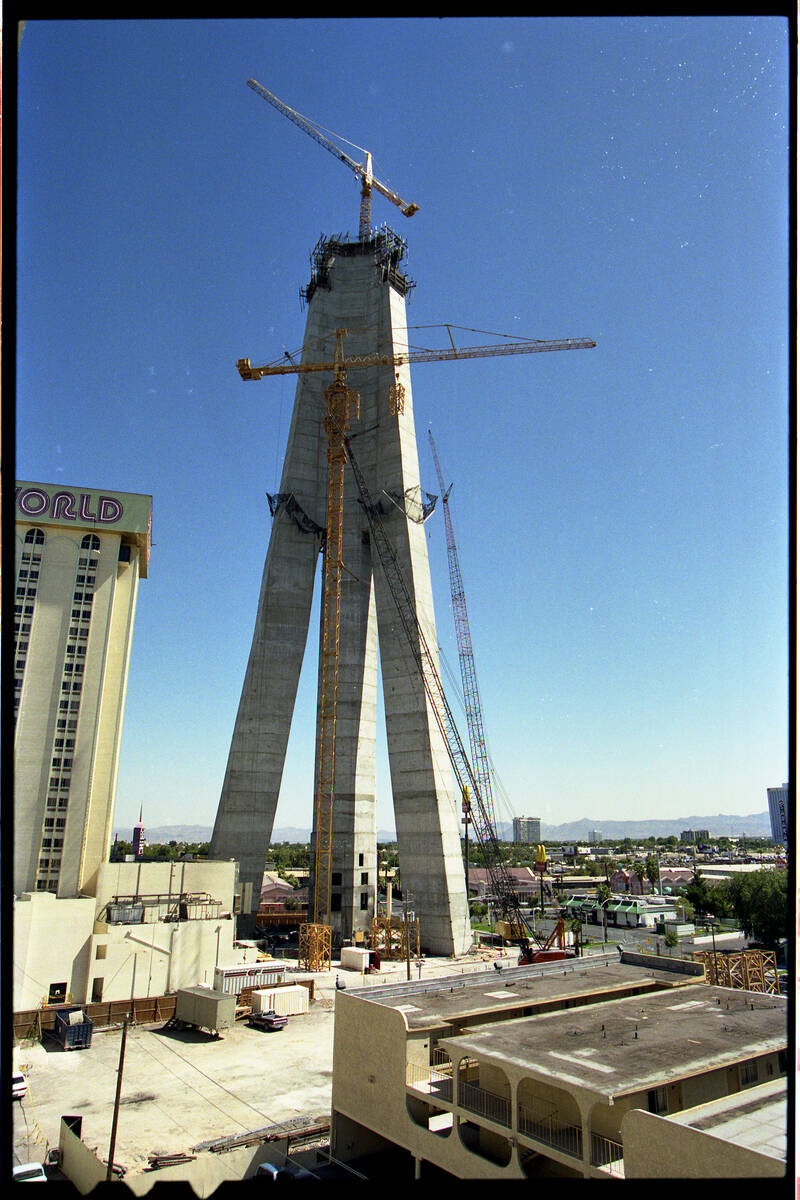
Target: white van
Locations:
point(32, 1172)
point(19, 1086)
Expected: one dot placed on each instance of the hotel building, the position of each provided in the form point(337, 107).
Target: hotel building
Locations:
point(527, 830)
point(778, 801)
point(79, 556)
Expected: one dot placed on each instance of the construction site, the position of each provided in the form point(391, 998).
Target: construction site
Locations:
point(350, 494)
point(410, 1048)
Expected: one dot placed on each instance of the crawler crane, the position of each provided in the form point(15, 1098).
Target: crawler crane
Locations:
point(341, 406)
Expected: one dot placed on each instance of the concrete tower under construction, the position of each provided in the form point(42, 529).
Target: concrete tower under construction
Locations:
point(357, 286)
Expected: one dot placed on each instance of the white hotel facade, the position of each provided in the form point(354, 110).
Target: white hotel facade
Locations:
point(80, 554)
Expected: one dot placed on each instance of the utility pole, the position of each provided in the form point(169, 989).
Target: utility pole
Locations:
point(406, 897)
point(110, 1168)
point(465, 820)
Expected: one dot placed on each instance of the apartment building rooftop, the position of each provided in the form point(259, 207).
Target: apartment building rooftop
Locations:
point(634, 1043)
point(531, 989)
point(755, 1118)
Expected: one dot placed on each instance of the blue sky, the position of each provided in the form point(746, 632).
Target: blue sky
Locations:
point(621, 513)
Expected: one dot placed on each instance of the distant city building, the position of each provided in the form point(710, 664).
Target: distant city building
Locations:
point(695, 835)
point(139, 840)
point(595, 835)
point(778, 800)
point(79, 556)
point(528, 830)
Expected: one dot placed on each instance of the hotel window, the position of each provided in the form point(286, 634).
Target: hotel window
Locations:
point(61, 766)
point(27, 583)
point(657, 1100)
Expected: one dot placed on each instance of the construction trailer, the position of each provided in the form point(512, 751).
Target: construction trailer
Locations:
point(235, 978)
point(289, 1001)
point(204, 1008)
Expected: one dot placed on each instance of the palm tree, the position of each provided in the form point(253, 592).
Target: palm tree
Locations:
point(604, 894)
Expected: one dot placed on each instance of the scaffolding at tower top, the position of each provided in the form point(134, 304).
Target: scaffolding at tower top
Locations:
point(387, 248)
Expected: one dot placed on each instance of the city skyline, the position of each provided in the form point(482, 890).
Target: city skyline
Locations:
point(621, 515)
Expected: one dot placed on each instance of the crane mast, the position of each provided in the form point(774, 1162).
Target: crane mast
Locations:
point(466, 658)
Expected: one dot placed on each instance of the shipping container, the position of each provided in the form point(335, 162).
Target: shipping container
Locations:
point(234, 978)
point(353, 958)
point(205, 1008)
point(285, 1001)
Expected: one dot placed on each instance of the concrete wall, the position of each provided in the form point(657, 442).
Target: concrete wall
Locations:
point(85, 1168)
point(79, 1163)
point(369, 1091)
point(52, 944)
point(659, 1148)
point(59, 940)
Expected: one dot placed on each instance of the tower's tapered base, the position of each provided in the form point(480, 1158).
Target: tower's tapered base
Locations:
point(356, 286)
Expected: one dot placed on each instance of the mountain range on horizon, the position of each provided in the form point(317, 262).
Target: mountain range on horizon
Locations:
point(718, 825)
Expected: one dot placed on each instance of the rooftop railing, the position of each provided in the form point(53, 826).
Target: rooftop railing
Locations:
point(546, 1128)
point(607, 1155)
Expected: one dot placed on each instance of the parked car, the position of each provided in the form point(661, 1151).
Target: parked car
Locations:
point(267, 1020)
point(272, 1171)
point(31, 1172)
point(19, 1086)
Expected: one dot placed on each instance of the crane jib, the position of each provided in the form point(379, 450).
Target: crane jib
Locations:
point(410, 357)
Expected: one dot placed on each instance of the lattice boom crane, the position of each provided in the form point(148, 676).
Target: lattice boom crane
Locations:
point(403, 357)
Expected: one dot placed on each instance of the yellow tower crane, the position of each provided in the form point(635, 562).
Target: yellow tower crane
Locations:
point(341, 406)
point(362, 171)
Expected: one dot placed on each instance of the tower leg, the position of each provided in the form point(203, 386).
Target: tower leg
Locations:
point(250, 789)
point(354, 832)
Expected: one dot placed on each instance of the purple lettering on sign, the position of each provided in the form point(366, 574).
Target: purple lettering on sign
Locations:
point(108, 510)
point(85, 512)
point(63, 506)
point(33, 502)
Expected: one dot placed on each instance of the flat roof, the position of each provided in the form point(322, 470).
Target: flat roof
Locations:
point(755, 1118)
point(665, 1036)
point(470, 996)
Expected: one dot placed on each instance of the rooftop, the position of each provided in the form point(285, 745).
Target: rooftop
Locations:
point(754, 1118)
point(454, 998)
point(666, 1037)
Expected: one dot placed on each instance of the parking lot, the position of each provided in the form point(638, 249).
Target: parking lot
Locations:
point(180, 1089)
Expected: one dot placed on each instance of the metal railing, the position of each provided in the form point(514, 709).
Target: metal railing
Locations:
point(607, 1154)
point(545, 1127)
point(430, 1080)
point(484, 1104)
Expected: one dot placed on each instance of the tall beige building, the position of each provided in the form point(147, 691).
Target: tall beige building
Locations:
point(79, 556)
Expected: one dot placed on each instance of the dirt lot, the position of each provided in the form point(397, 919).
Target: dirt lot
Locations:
point(182, 1089)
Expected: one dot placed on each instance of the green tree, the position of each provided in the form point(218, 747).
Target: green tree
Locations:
point(652, 871)
point(670, 939)
point(760, 902)
point(698, 894)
